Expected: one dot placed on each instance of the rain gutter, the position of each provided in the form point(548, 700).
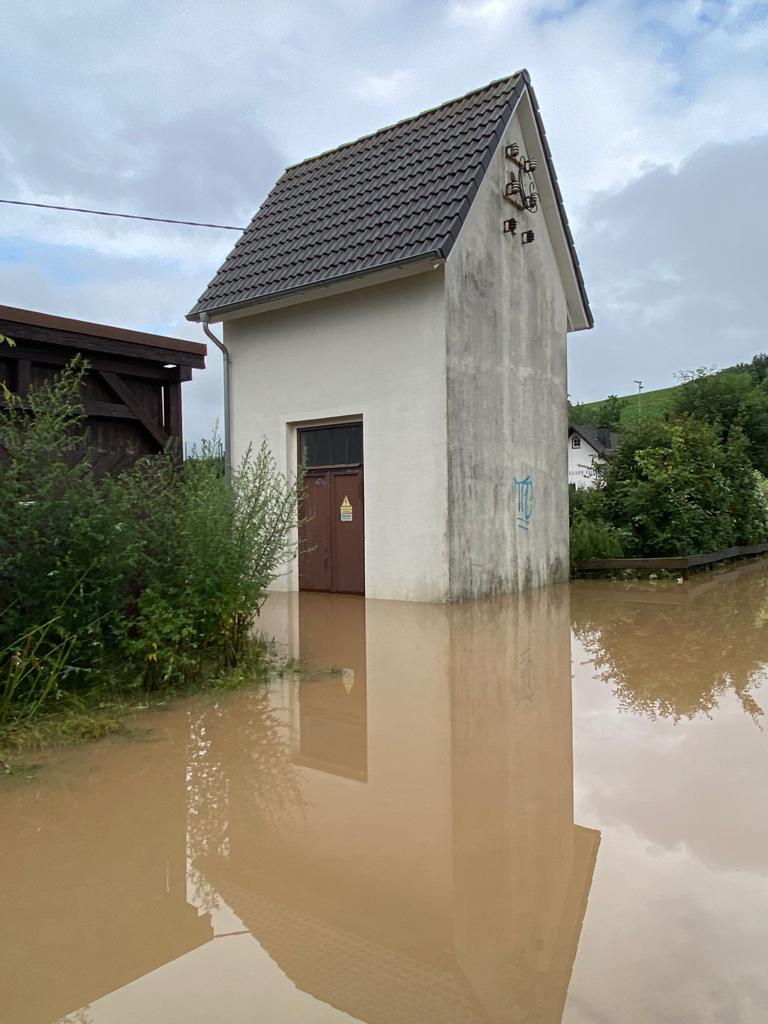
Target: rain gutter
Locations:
point(227, 385)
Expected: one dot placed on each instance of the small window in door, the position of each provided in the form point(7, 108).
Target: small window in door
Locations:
point(339, 445)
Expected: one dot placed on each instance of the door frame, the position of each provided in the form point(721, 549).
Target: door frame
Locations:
point(336, 421)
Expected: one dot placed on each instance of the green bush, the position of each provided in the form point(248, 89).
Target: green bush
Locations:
point(594, 538)
point(676, 487)
point(149, 578)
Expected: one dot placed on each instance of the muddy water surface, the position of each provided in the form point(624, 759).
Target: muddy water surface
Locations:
point(546, 809)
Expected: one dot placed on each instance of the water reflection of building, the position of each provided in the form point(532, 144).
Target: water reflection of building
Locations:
point(433, 871)
point(332, 706)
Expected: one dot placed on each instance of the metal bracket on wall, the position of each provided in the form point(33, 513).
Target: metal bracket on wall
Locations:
point(515, 189)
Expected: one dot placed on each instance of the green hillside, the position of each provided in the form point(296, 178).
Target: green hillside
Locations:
point(652, 403)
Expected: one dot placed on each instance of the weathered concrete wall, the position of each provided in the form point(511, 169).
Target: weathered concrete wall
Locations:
point(506, 323)
point(379, 354)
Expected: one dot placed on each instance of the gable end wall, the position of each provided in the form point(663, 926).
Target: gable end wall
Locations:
point(506, 323)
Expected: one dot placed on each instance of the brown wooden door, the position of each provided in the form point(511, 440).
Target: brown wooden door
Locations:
point(315, 560)
point(348, 536)
point(332, 539)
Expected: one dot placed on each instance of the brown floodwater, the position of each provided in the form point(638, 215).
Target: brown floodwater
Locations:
point(542, 809)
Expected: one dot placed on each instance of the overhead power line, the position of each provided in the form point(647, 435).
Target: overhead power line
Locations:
point(124, 216)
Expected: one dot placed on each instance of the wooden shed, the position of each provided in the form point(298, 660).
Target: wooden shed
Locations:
point(133, 389)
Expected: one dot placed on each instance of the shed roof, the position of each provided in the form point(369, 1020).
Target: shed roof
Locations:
point(394, 197)
point(47, 327)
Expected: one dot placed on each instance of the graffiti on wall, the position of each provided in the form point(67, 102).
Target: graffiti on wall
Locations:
point(524, 501)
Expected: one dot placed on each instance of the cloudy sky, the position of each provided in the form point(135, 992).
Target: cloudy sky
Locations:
point(656, 112)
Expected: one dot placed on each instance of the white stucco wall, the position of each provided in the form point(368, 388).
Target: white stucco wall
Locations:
point(379, 354)
point(506, 322)
point(580, 471)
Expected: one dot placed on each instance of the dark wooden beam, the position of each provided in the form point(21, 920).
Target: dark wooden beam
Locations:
point(84, 342)
point(172, 411)
point(109, 410)
point(125, 394)
point(101, 410)
point(38, 353)
point(23, 377)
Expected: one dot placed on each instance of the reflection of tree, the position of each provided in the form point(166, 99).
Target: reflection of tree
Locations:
point(238, 756)
point(674, 653)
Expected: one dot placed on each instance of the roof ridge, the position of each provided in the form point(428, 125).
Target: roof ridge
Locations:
point(405, 120)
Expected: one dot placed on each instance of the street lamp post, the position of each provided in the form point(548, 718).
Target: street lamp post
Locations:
point(639, 399)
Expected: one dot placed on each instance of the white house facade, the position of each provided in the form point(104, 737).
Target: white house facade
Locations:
point(400, 323)
point(585, 446)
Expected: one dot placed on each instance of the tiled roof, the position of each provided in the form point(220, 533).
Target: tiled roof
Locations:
point(363, 978)
point(398, 195)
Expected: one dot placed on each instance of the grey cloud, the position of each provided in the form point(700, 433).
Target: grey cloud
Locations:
point(201, 164)
point(192, 110)
point(676, 267)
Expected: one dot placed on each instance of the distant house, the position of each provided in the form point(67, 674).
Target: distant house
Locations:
point(398, 310)
point(585, 444)
point(132, 393)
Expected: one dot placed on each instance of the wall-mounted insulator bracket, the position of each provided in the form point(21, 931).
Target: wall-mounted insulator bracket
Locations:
point(513, 153)
point(510, 226)
point(513, 189)
point(515, 194)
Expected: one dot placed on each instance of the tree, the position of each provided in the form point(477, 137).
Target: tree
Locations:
point(737, 397)
point(578, 414)
point(676, 487)
point(609, 412)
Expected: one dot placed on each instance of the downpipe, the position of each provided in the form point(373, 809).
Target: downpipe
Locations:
point(227, 383)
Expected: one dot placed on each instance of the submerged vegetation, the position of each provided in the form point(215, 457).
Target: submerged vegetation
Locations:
point(117, 588)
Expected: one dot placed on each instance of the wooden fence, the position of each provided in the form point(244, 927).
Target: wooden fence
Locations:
point(680, 563)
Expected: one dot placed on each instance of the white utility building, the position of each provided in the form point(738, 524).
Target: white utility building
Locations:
point(396, 314)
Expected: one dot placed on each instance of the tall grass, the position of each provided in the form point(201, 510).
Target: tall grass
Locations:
point(32, 669)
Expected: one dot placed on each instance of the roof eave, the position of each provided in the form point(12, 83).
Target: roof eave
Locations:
point(219, 312)
point(588, 320)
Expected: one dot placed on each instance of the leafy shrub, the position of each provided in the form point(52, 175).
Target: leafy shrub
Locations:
point(675, 487)
point(148, 578)
point(594, 538)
